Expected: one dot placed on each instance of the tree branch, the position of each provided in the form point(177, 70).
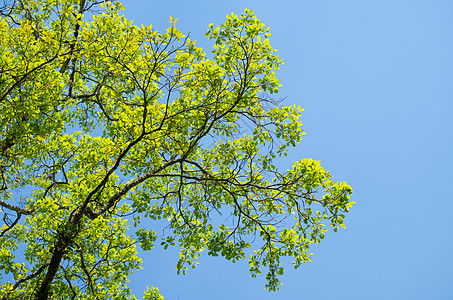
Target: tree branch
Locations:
point(126, 188)
point(30, 276)
point(16, 208)
point(12, 225)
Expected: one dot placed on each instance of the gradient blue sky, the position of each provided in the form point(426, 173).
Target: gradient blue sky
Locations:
point(376, 80)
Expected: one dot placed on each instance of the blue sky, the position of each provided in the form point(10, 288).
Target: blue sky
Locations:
point(376, 80)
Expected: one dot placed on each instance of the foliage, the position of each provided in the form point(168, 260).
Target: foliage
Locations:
point(103, 122)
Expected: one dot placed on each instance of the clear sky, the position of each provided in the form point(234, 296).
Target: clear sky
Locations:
point(376, 80)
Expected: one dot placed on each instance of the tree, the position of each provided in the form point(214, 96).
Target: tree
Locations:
point(103, 122)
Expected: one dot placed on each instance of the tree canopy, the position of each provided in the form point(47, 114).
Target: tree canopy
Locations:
point(104, 123)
